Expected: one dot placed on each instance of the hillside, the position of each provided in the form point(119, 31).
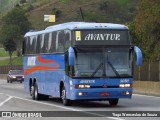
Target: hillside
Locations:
point(114, 11)
point(6, 5)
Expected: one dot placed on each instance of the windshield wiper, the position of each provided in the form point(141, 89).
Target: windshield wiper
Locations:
point(113, 68)
point(99, 66)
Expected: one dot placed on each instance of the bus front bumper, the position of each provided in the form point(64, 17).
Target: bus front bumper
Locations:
point(100, 94)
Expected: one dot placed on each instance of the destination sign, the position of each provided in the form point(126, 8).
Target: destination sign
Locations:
point(102, 37)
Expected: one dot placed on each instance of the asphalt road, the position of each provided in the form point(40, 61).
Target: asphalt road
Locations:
point(14, 98)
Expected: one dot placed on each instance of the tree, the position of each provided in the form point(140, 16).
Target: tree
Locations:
point(9, 35)
point(15, 25)
point(145, 28)
point(22, 1)
point(118, 11)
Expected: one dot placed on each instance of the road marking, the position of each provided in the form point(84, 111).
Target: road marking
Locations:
point(47, 104)
point(2, 103)
point(115, 118)
point(146, 95)
point(72, 109)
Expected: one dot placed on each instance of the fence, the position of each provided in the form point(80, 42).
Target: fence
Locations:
point(5, 69)
point(149, 71)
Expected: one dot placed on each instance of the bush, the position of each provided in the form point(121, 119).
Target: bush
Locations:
point(104, 5)
point(29, 8)
point(22, 1)
point(56, 12)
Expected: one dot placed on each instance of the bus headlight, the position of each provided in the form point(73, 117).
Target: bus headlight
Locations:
point(121, 85)
point(125, 85)
point(82, 94)
point(87, 86)
point(82, 86)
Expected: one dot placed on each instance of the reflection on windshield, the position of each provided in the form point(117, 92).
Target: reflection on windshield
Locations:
point(87, 62)
point(118, 62)
point(18, 72)
point(99, 62)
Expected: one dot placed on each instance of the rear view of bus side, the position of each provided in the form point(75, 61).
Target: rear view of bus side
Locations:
point(80, 61)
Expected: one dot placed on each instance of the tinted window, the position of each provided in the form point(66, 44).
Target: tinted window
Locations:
point(45, 43)
point(42, 47)
point(49, 42)
point(58, 41)
point(38, 45)
point(30, 45)
point(33, 41)
point(27, 45)
point(61, 41)
point(67, 39)
point(53, 43)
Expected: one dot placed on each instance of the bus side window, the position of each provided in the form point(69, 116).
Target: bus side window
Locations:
point(42, 44)
point(53, 43)
point(49, 42)
point(29, 45)
point(67, 39)
point(24, 47)
point(38, 45)
point(61, 41)
point(34, 44)
point(46, 39)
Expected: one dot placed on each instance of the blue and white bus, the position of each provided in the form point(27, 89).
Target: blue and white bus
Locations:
point(80, 61)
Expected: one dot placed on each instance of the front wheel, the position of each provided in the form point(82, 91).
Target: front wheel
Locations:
point(66, 102)
point(113, 101)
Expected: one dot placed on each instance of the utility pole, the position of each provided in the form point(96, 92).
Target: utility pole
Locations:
point(81, 13)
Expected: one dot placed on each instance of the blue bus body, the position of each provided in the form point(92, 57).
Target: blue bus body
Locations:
point(54, 73)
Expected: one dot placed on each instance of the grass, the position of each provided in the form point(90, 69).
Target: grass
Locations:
point(4, 53)
point(122, 1)
point(15, 61)
point(70, 12)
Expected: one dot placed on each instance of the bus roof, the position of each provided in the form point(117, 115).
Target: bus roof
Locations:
point(77, 26)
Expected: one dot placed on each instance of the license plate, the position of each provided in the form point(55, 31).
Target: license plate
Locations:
point(104, 94)
point(18, 78)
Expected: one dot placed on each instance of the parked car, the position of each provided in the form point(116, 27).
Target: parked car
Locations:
point(15, 75)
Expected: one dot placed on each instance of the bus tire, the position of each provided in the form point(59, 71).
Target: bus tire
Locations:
point(66, 102)
point(36, 95)
point(32, 92)
point(113, 101)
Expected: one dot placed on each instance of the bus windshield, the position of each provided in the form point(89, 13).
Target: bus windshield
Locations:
point(103, 62)
point(118, 62)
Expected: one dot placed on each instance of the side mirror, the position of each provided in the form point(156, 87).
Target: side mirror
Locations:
point(139, 56)
point(71, 56)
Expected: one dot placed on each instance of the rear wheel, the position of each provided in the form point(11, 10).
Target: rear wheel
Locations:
point(35, 95)
point(66, 102)
point(32, 92)
point(113, 101)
